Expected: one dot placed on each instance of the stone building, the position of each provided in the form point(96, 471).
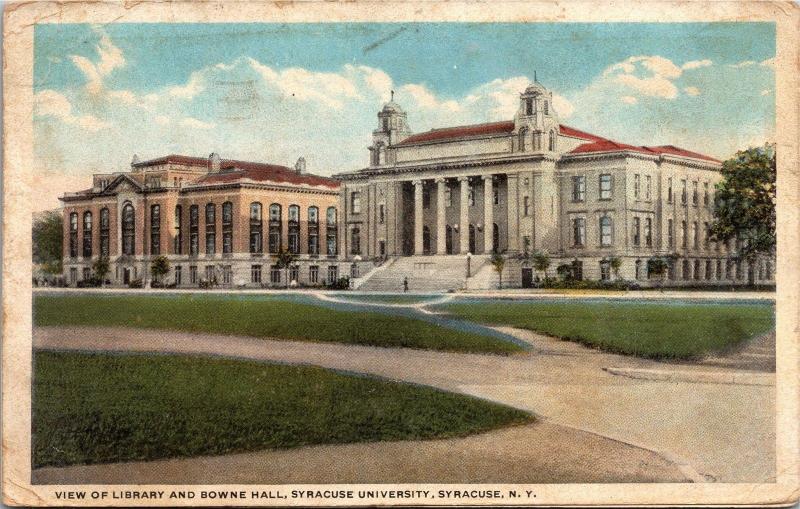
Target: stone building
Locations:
point(429, 201)
point(216, 220)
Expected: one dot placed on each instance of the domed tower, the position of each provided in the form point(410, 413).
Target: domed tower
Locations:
point(392, 129)
point(536, 121)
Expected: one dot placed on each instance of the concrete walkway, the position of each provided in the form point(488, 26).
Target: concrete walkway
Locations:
point(608, 423)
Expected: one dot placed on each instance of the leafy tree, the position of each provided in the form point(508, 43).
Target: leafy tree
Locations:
point(616, 263)
point(541, 261)
point(48, 235)
point(498, 263)
point(159, 267)
point(101, 268)
point(284, 260)
point(745, 202)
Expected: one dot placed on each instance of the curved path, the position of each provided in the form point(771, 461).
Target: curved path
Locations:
point(594, 426)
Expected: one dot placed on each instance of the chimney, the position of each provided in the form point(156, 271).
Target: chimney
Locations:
point(300, 165)
point(214, 162)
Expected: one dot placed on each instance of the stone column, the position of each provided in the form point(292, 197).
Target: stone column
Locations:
point(417, 217)
point(463, 221)
point(512, 188)
point(488, 213)
point(441, 222)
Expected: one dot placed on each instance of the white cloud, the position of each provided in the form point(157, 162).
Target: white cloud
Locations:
point(693, 91)
point(194, 123)
point(425, 99)
point(744, 63)
point(53, 104)
point(770, 62)
point(696, 64)
point(628, 99)
point(647, 75)
point(193, 87)
point(110, 58)
point(766, 91)
point(563, 107)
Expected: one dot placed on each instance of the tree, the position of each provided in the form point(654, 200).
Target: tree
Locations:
point(159, 267)
point(616, 263)
point(284, 260)
point(541, 261)
point(657, 267)
point(745, 202)
point(565, 271)
point(498, 263)
point(48, 235)
point(101, 268)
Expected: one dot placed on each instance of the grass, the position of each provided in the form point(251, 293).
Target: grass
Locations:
point(271, 318)
point(99, 408)
point(388, 299)
point(651, 329)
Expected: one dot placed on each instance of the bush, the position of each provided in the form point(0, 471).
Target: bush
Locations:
point(343, 283)
point(92, 282)
point(135, 283)
point(574, 284)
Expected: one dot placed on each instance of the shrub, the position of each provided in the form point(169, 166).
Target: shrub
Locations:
point(343, 283)
point(135, 283)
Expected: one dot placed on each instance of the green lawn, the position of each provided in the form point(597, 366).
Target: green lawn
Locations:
point(263, 318)
point(647, 329)
point(388, 299)
point(99, 408)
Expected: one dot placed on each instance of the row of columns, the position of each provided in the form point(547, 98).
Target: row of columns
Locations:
point(441, 222)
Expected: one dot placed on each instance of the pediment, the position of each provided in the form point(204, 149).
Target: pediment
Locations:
point(122, 184)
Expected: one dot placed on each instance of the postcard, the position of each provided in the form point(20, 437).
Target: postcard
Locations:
point(400, 253)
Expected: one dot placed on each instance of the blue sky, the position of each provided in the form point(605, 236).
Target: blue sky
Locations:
point(275, 92)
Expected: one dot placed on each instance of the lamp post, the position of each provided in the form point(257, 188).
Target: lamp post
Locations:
point(469, 258)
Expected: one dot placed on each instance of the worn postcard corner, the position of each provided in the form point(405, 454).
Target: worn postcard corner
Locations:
point(400, 254)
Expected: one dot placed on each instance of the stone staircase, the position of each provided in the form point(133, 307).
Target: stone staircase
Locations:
point(440, 273)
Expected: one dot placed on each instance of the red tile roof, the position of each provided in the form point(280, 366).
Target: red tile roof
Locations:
point(603, 145)
point(677, 151)
point(175, 159)
point(448, 133)
point(576, 133)
point(237, 171)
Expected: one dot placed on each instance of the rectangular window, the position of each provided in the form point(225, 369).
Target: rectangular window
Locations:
point(578, 232)
point(683, 191)
point(333, 274)
point(605, 231)
point(177, 246)
point(294, 229)
point(355, 202)
point(382, 247)
point(227, 274)
point(194, 230)
point(381, 213)
point(255, 273)
point(313, 274)
point(256, 229)
point(227, 228)
point(648, 232)
point(210, 275)
point(471, 196)
point(155, 229)
point(355, 241)
point(294, 274)
point(669, 190)
point(605, 271)
point(211, 229)
point(73, 236)
point(648, 187)
point(104, 233)
point(73, 275)
point(578, 188)
point(709, 270)
point(694, 193)
point(706, 235)
point(670, 233)
point(637, 239)
point(178, 275)
point(637, 184)
point(526, 205)
point(274, 274)
point(87, 273)
point(719, 269)
point(695, 236)
point(684, 234)
point(705, 194)
point(605, 186)
point(193, 274)
point(496, 196)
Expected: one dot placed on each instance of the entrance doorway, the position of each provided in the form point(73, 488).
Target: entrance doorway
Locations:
point(527, 277)
point(448, 239)
point(472, 238)
point(126, 275)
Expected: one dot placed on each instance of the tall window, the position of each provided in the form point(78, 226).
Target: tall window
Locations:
point(529, 106)
point(105, 225)
point(211, 228)
point(637, 184)
point(155, 229)
point(605, 231)
point(355, 241)
point(274, 228)
point(448, 196)
point(381, 213)
point(227, 227)
point(683, 234)
point(709, 273)
point(670, 233)
point(313, 230)
point(705, 194)
point(648, 187)
point(579, 232)
point(256, 231)
point(73, 235)
point(546, 108)
point(355, 202)
point(471, 196)
point(194, 230)
point(255, 273)
point(706, 235)
point(605, 186)
point(648, 232)
point(637, 239)
point(551, 145)
point(683, 191)
point(496, 196)
point(578, 188)
point(523, 135)
point(687, 270)
point(294, 229)
point(669, 190)
point(87, 234)
point(694, 193)
point(178, 241)
point(605, 270)
point(330, 231)
point(526, 205)
point(695, 236)
point(128, 229)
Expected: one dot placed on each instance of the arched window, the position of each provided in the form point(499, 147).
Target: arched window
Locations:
point(294, 229)
point(177, 246)
point(551, 146)
point(155, 229)
point(73, 235)
point(227, 228)
point(330, 231)
point(313, 230)
point(104, 233)
point(256, 228)
point(523, 135)
point(605, 231)
point(274, 228)
point(211, 228)
point(638, 274)
point(87, 234)
point(128, 229)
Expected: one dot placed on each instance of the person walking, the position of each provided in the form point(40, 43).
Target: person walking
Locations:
point(405, 285)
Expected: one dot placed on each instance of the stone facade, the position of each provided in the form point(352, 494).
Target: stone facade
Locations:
point(533, 184)
point(215, 220)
